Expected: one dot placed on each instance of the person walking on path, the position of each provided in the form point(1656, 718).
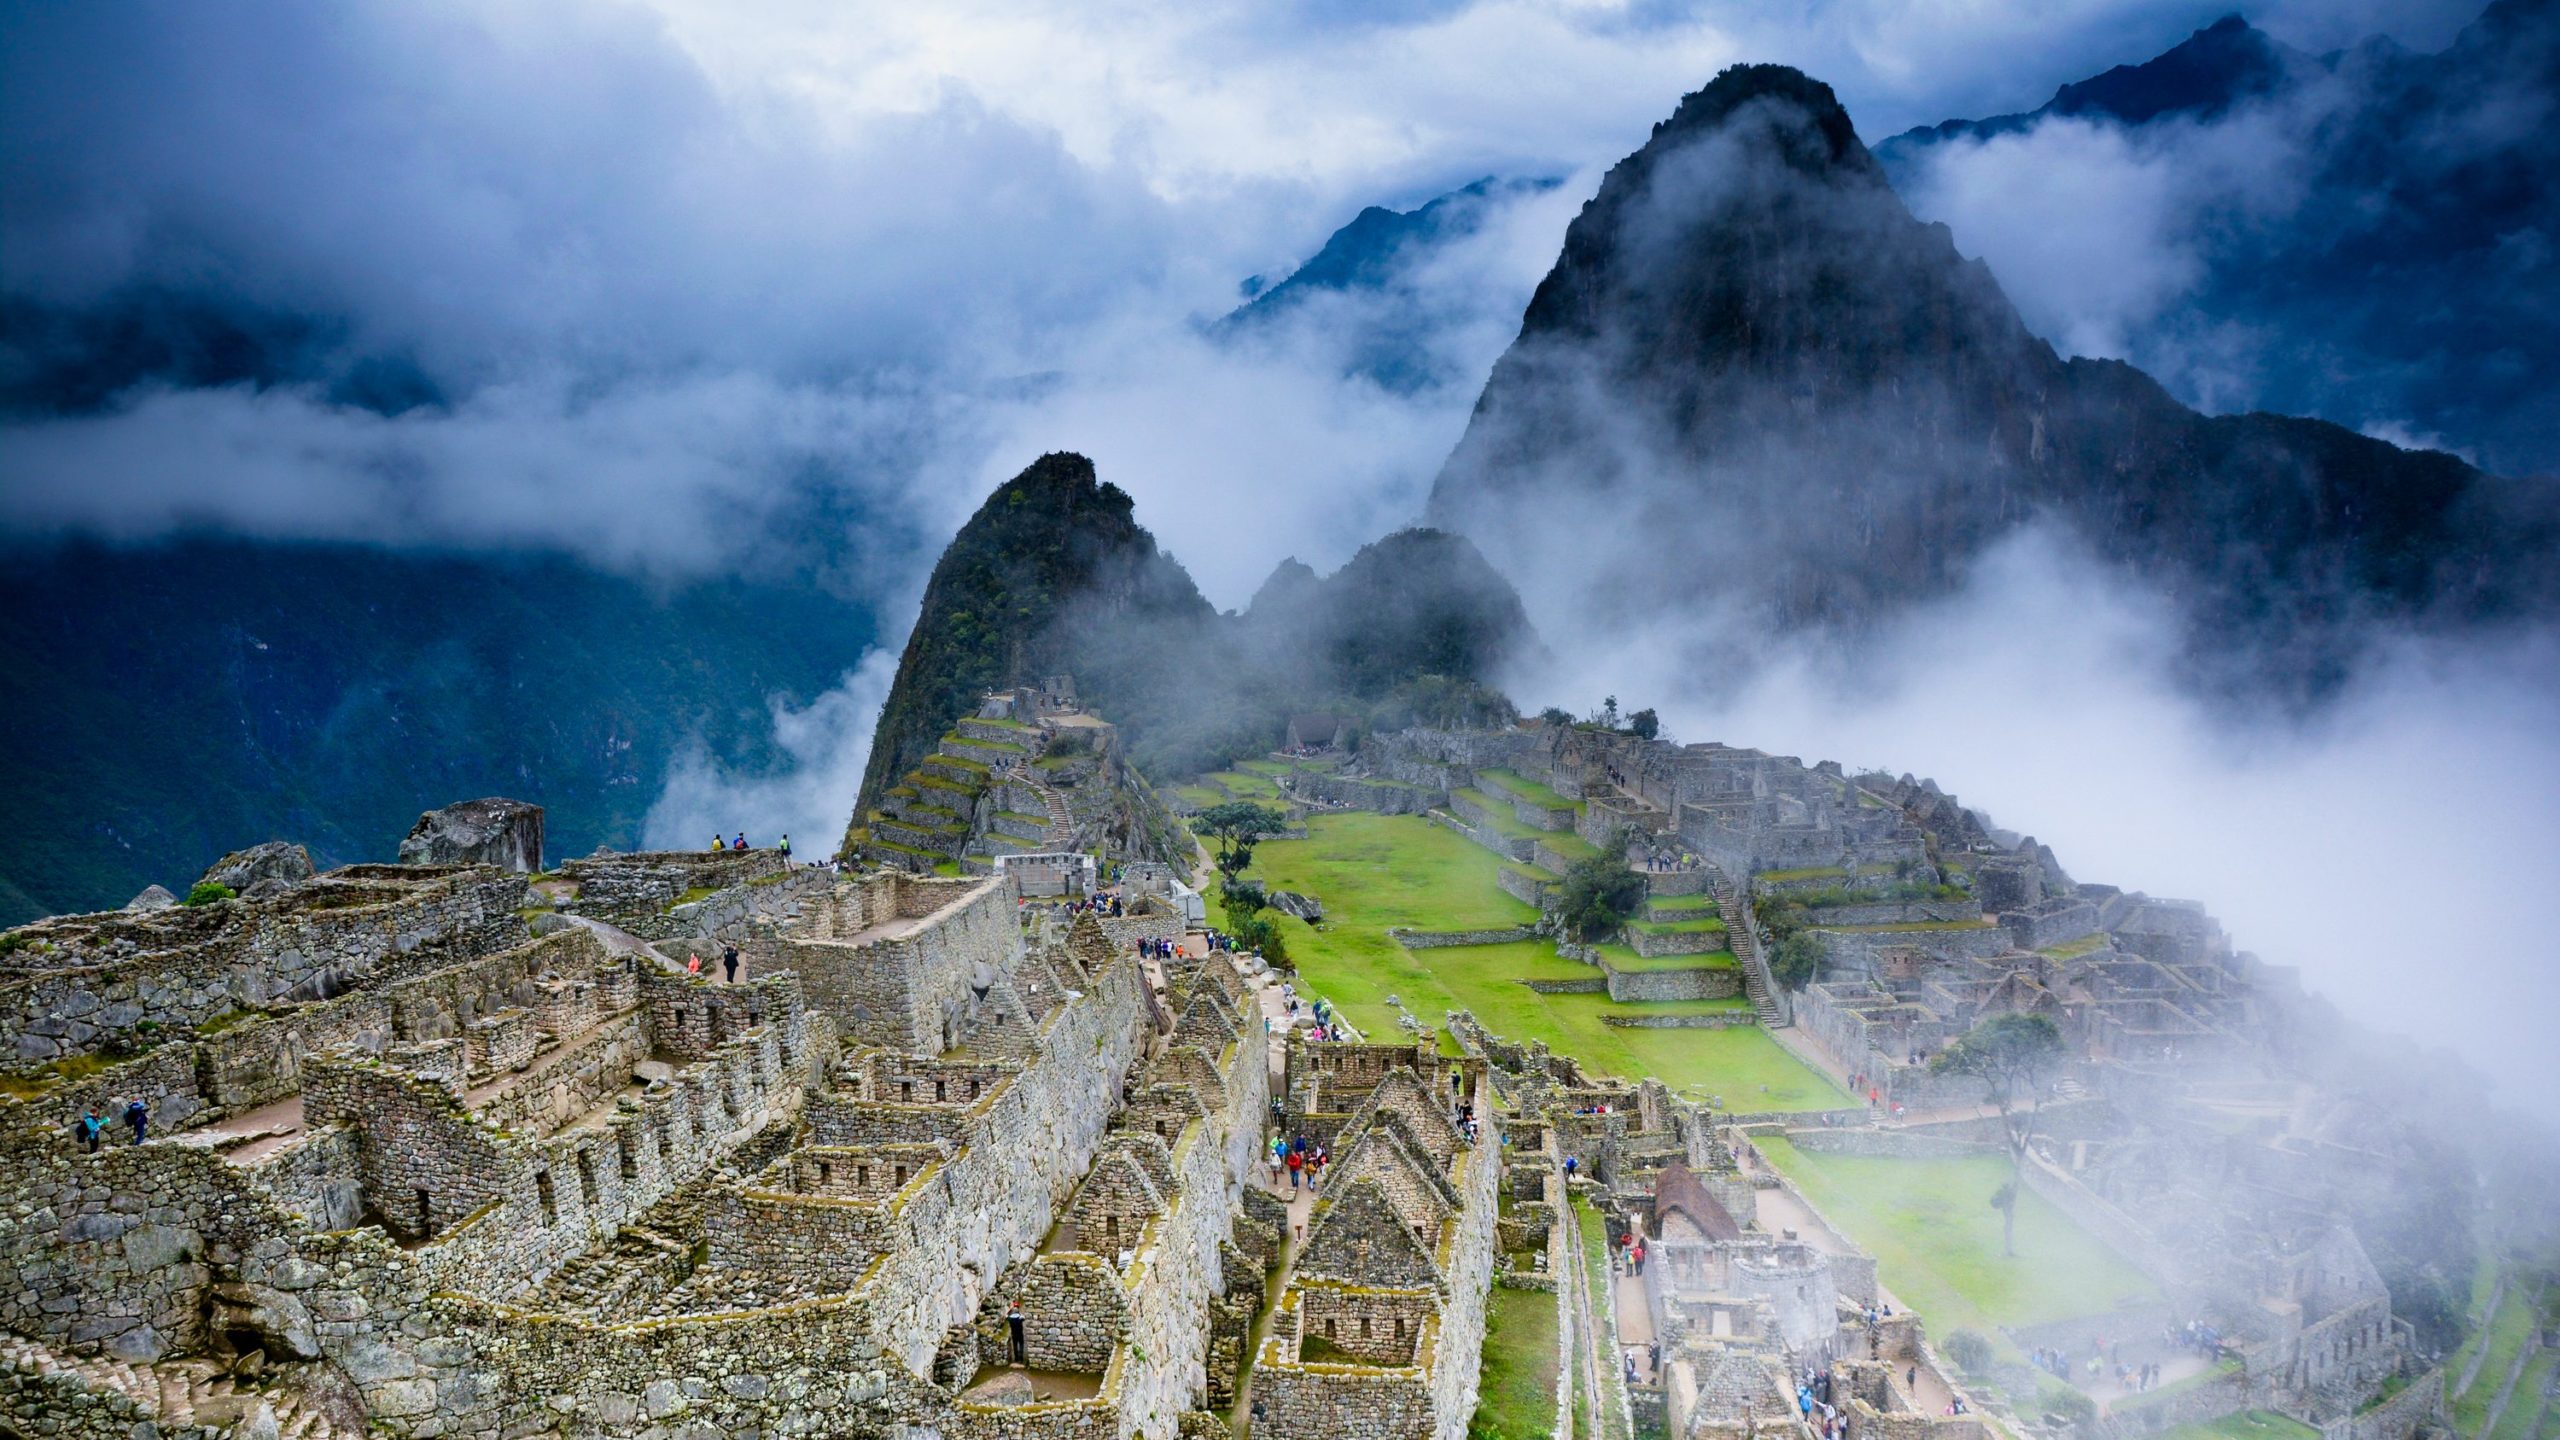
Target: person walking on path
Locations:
point(137, 1115)
point(729, 961)
point(89, 1129)
point(786, 848)
point(1297, 1162)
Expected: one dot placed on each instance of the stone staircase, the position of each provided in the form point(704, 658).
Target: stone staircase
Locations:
point(2068, 1089)
point(1745, 940)
point(180, 1397)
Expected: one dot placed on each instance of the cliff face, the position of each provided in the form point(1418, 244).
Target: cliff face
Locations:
point(1054, 575)
point(1053, 559)
point(1753, 375)
point(2398, 273)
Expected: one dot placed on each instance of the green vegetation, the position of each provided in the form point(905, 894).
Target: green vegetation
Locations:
point(1199, 796)
point(2010, 1054)
point(210, 892)
point(1597, 896)
point(1516, 1390)
point(1245, 785)
point(2085, 945)
point(1704, 925)
point(1529, 790)
point(225, 1021)
point(2502, 1338)
point(2524, 1405)
point(1678, 907)
point(1622, 958)
point(1795, 960)
point(1936, 1239)
point(1376, 871)
point(1595, 1259)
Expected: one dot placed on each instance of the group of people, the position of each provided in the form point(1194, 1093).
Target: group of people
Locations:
point(728, 962)
point(1631, 1252)
point(1150, 948)
point(1665, 862)
point(91, 1129)
point(2196, 1335)
point(1301, 1162)
point(740, 843)
point(1813, 1403)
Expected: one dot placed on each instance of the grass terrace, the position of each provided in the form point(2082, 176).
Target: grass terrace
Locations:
point(1516, 1390)
point(1527, 789)
point(1622, 958)
point(2085, 945)
point(1009, 747)
point(1376, 871)
point(1683, 906)
point(1200, 795)
point(1703, 925)
point(1245, 785)
point(2503, 1338)
point(1936, 1240)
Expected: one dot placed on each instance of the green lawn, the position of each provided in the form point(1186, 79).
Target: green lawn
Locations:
point(1703, 925)
point(1200, 795)
point(1622, 958)
point(1936, 1240)
point(1516, 1391)
point(2504, 1335)
point(2524, 1407)
point(1245, 785)
point(1683, 905)
point(2246, 1425)
point(1375, 871)
point(1527, 789)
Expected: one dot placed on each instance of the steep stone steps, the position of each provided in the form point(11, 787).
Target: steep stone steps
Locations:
point(1746, 948)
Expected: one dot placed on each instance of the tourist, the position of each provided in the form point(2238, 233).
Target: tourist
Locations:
point(137, 1115)
point(1018, 1351)
point(1572, 1166)
point(1636, 1253)
point(729, 961)
point(89, 1128)
point(1911, 1379)
point(1297, 1164)
point(717, 843)
point(692, 963)
point(741, 842)
point(785, 847)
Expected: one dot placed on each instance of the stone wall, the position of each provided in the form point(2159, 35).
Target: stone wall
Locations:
point(1717, 983)
point(174, 969)
point(912, 991)
point(635, 891)
point(1439, 939)
point(1523, 886)
point(1386, 797)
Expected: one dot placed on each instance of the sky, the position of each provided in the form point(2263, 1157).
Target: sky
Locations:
point(695, 287)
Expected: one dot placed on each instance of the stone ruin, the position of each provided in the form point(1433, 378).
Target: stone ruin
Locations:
point(415, 1170)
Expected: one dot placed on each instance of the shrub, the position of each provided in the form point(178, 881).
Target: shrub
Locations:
point(1969, 1350)
point(2064, 1403)
point(1260, 932)
point(1599, 893)
point(210, 892)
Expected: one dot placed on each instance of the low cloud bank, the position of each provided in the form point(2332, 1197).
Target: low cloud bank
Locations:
point(2397, 846)
point(809, 800)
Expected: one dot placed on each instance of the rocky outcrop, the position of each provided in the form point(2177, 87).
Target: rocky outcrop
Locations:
point(153, 897)
point(276, 863)
point(492, 831)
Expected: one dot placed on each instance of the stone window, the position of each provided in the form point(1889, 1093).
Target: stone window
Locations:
point(826, 1173)
point(941, 1089)
point(902, 1178)
point(862, 1176)
point(542, 1192)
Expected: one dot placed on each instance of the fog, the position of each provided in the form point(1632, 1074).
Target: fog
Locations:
point(2393, 846)
point(697, 291)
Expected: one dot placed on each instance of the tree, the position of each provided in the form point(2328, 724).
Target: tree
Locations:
point(1645, 724)
point(1556, 715)
point(2010, 1053)
point(1609, 712)
point(1598, 894)
point(210, 892)
point(1238, 826)
point(1794, 961)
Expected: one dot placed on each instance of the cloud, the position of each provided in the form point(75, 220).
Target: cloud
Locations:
point(826, 741)
point(2382, 846)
